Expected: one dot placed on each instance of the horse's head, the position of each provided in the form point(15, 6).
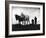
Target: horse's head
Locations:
point(17, 17)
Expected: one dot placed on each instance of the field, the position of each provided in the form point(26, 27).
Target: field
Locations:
point(19, 27)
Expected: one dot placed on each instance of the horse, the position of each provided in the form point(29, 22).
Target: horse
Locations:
point(19, 18)
point(26, 18)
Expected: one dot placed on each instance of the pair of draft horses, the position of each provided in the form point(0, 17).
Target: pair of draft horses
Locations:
point(23, 18)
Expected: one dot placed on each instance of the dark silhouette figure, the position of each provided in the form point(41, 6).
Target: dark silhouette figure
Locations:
point(35, 20)
point(32, 21)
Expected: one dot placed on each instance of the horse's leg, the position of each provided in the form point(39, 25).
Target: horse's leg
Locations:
point(19, 22)
point(25, 22)
point(29, 22)
point(22, 22)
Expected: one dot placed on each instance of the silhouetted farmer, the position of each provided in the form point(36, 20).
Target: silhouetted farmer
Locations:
point(35, 20)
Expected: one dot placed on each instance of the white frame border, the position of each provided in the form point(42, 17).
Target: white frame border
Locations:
point(25, 32)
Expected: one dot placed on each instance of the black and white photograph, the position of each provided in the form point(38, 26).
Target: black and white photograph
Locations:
point(25, 19)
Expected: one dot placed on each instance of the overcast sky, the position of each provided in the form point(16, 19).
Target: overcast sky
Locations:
point(31, 12)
